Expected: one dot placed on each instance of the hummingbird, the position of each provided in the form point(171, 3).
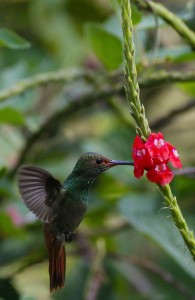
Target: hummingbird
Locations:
point(61, 207)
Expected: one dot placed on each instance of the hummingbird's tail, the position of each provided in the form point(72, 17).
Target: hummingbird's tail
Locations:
point(57, 258)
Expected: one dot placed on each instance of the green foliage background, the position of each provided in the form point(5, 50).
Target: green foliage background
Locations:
point(127, 247)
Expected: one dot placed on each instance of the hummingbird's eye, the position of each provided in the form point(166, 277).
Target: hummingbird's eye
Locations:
point(99, 161)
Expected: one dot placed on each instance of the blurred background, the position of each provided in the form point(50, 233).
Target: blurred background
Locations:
point(67, 56)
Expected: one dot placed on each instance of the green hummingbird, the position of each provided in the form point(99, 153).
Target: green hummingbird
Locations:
point(61, 207)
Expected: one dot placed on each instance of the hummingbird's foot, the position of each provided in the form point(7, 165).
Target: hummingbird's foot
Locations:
point(68, 236)
point(60, 237)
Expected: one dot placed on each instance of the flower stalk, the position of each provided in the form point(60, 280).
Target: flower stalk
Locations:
point(142, 126)
point(132, 87)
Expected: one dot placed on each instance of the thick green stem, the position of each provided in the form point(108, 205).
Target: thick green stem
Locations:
point(175, 22)
point(132, 91)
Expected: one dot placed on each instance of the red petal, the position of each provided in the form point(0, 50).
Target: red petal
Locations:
point(138, 143)
point(174, 156)
point(160, 174)
point(138, 171)
point(157, 147)
point(141, 157)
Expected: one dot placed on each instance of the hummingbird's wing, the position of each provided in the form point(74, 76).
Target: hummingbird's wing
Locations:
point(39, 190)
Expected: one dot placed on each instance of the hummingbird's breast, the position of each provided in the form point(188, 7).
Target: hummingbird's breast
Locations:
point(69, 213)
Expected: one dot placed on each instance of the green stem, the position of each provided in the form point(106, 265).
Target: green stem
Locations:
point(64, 76)
point(164, 77)
point(132, 91)
point(41, 79)
point(132, 87)
point(175, 22)
point(178, 218)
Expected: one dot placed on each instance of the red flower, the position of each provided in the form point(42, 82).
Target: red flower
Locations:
point(160, 174)
point(153, 157)
point(157, 147)
point(141, 157)
point(174, 156)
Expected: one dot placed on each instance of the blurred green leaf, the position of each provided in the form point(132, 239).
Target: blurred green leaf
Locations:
point(11, 40)
point(183, 54)
point(188, 87)
point(11, 116)
point(134, 275)
point(3, 171)
point(142, 213)
point(136, 14)
point(105, 45)
point(77, 277)
point(7, 228)
point(7, 290)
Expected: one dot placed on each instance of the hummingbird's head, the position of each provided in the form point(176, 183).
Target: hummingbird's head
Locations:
point(91, 164)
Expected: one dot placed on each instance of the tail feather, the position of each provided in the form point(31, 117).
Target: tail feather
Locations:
point(57, 259)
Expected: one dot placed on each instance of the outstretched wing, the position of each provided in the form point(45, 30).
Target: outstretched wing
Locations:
point(38, 189)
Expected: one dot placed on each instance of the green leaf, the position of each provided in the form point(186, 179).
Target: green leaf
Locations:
point(7, 228)
point(188, 87)
point(11, 40)
point(3, 171)
point(11, 116)
point(136, 14)
point(133, 276)
point(143, 214)
point(105, 45)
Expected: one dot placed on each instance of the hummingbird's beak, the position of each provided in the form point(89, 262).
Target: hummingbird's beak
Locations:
point(113, 163)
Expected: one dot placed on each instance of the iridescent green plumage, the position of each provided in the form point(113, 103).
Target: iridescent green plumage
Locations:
point(61, 206)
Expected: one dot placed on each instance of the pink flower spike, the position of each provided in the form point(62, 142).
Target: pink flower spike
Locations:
point(174, 156)
point(160, 174)
point(157, 147)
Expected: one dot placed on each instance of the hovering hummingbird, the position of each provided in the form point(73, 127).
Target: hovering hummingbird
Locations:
point(61, 207)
